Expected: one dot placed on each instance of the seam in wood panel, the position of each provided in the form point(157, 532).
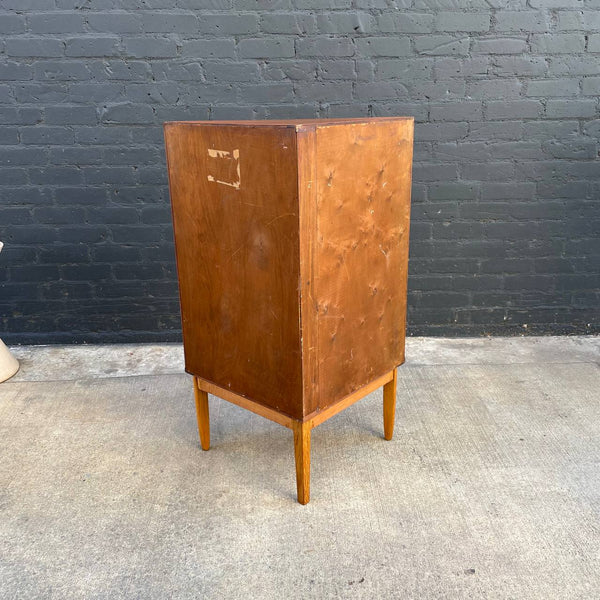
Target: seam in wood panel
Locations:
point(314, 238)
point(306, 199)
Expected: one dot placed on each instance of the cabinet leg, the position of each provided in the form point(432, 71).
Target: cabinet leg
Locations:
point(389, 406)
point(302, 454)
point(202, 415)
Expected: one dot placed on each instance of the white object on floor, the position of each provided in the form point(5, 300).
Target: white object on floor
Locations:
point(8, 363)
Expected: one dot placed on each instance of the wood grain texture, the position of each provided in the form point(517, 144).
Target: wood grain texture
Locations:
point(202, 415)
point(302, 456)
point(389, 406)
point(292, 252)
point(360, 274)
point(237, 246)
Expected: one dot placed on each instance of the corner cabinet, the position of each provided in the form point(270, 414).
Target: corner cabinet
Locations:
point(292, 256)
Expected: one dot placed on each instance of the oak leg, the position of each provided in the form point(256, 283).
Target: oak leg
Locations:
point(389, 407)
point(302, 454)
point(202, 415)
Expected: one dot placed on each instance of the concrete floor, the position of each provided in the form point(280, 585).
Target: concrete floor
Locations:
point(490, 488)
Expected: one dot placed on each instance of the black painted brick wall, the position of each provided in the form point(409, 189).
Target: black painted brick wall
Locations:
point(506, 173)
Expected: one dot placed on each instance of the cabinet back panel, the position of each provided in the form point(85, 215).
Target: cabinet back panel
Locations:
point(234, 195)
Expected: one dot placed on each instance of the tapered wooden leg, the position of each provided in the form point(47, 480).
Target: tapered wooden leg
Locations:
point(202, 415)
point(389, 406)
point(302, 454)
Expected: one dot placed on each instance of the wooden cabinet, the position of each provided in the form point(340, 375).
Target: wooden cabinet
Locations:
point(292, 256)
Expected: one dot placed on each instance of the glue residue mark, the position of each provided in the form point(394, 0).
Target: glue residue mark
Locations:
point(226, 155)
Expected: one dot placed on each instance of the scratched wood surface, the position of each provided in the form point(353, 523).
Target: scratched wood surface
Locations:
point(292, 252)
point(360, 253)
point(234, 196)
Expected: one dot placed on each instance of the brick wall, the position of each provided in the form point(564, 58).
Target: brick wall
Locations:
point(506, 174)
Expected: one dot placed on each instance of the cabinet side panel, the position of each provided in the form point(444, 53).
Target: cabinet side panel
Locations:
point(234, 196)
point(361, 255)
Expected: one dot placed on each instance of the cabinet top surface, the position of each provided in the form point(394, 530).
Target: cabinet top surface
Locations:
point(295, 123)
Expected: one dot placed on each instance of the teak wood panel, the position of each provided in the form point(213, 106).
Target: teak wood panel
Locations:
point(234, 193)
point(356, 259)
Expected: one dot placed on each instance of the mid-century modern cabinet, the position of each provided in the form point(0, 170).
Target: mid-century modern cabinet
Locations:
point(292, 255)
